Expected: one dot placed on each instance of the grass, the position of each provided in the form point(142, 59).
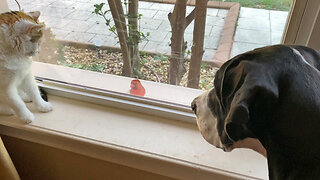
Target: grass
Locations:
point(283, 5)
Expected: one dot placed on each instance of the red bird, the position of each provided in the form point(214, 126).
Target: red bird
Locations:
point(136, 88)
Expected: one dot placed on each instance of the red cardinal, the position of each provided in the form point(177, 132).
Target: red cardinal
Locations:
point(137, 88)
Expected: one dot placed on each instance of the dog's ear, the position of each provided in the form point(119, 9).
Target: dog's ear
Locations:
point(236, 123)
point(247, 93)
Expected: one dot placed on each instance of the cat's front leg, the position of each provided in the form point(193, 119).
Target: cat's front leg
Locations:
point(31, 89)
point(24, 96)
point(12, 98)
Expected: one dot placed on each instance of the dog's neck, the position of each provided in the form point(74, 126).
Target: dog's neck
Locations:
point(286, 162)
point(251, 143)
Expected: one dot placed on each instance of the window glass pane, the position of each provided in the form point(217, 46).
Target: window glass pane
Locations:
point(82, 34)
point(261, 23)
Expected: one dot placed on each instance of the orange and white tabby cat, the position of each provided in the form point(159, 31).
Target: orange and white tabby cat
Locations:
point(20, 38)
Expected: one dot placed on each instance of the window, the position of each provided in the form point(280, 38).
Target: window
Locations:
point(80, 38)
point(63, 72)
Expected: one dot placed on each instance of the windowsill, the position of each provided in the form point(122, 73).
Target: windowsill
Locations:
point(167, 147)
point(147, 142)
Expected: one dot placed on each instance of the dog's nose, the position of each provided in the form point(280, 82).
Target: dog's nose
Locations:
point(194, 106)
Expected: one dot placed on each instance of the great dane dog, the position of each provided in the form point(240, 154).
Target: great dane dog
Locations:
point(269, 95)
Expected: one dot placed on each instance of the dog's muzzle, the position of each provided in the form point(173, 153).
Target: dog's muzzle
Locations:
point(206, 121)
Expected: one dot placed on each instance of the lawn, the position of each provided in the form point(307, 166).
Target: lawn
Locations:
point(283, 5)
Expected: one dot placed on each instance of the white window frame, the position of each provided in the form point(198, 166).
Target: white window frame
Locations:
point(297, 31)
point(303, 26)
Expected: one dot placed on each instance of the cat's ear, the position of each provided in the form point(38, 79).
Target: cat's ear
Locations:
point(35, 15)
point(33, 27)
point(26, 27)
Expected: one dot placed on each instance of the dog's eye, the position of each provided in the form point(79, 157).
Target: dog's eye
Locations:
point(194, 107)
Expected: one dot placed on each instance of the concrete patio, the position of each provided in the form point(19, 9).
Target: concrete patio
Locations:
point(73, 20)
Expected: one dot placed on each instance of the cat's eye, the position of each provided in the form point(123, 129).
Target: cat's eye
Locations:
point(36, 37)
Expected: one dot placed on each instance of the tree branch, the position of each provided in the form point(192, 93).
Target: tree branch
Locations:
point(155, 74)
point(190, 17)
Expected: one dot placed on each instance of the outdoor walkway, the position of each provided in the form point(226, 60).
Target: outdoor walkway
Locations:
point(257, 28)
point(73, 20)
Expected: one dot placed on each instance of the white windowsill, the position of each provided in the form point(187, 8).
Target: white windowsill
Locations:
point(159, 145)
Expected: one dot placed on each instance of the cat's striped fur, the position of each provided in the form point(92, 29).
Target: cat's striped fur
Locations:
point(14, 16)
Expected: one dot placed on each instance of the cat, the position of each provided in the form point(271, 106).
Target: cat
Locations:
point(20, 38)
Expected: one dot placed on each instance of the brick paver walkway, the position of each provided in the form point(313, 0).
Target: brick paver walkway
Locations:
point(73, 20)
point(257, 28)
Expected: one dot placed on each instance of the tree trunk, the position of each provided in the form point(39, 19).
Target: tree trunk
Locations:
point(134, 36)
point(197, 47)
point(178, 24)
point(120, 22)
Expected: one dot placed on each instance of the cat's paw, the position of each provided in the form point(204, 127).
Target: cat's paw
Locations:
point(27, 117)
point(45, 107)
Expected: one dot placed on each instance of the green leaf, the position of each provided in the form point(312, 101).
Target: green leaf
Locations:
point(101, 6)
point(108, 22)
point(98, 8)
point(113, 29)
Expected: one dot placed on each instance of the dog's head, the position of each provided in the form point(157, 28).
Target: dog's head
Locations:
point(243, 95)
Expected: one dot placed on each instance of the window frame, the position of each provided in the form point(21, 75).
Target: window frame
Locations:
point(303, 24)
point(294, 31)
point(297, 31)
